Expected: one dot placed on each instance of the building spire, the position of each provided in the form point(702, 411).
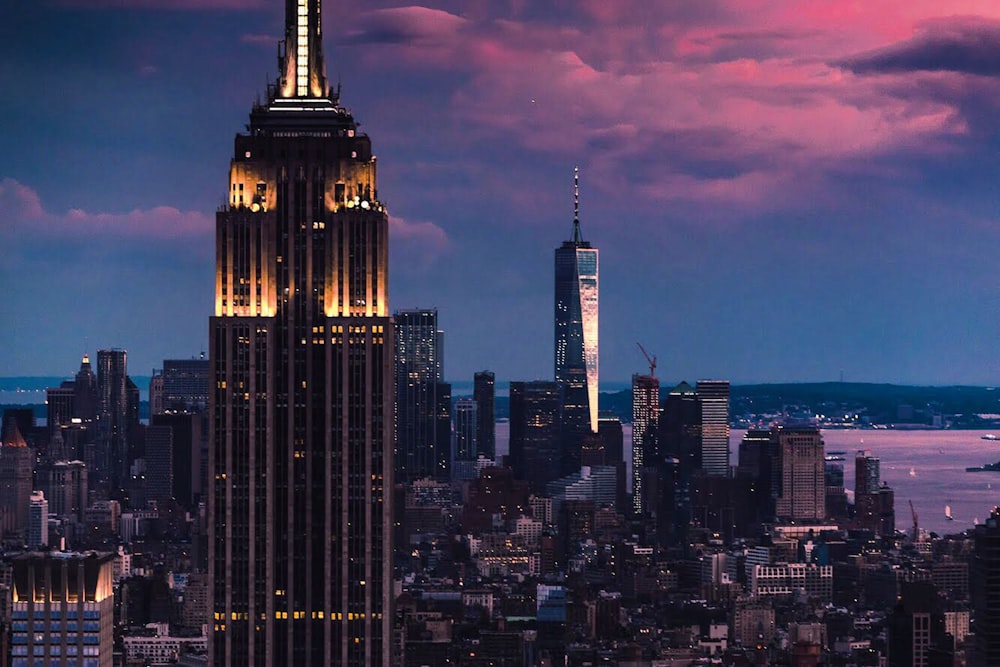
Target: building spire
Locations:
point(577, 238)
point(303, 73)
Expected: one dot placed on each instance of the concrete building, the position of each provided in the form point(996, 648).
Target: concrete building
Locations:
point(63, 609)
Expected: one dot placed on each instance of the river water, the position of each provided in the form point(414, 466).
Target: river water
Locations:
point(925, 467)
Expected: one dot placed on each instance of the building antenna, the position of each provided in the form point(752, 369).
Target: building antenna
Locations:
point(576, 205)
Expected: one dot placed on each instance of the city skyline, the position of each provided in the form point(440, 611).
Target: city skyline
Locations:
point(787, 196)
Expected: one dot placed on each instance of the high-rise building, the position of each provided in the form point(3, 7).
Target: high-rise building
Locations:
point(185, 385)
point(62, 609)
point(802, 496)
point(484, 394)
point(867, 477)
point(610, 432)
point(576, 320)
point(159, 455)
point(113, 418)
point(985, 572)
point(423, 445)
point(186, 458)
point(466, 426)
point(156, 393)
point(645, 417)
point(536, 455)
point(66, 486)
point(301, 393)
point(38, 520)
point(16, 463)
point(714, 398)
point(85, 401)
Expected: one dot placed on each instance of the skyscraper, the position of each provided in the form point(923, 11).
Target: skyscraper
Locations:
point(423, 443)
point(535, 420)
point(802, 496)
point(484, 394)
point(301, 395)
point(576, 319)
point(118, 411)
point(645, 416)
point(714, 398)
point(985, 571)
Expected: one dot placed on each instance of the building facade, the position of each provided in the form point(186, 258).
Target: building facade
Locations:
point(62, 610)
point(713, 395)
point(423, 442)
point(536, 454)
point(576, 329)
point(301, 393)
point(484, 394)
point(802, 496)
point(645, 418)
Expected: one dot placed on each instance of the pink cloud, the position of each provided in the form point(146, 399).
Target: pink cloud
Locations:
point(748, 88)
point(422, 243)
point(27, 216)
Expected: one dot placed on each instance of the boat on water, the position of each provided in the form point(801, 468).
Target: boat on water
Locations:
point(990, 436)
point(947, 513)
point(989, 467)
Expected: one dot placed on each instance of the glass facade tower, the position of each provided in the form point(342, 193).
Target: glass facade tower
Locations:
point(301, 393)
point(576, 323)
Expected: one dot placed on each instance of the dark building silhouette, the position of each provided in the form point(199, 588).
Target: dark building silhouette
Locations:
point(917, 636)
point(118, 416)
point(423, 444)
point(484, 394)
point(188, 434)
point(536, 452)
point(185, 385)
point(985, 572)
point(576, 331)
point(609, 430)
point(677, 456)
point(301, 402)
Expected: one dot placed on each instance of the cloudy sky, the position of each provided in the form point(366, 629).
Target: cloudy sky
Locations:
point(781, 190)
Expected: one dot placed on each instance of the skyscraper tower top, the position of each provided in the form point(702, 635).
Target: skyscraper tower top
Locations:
point(303, 73)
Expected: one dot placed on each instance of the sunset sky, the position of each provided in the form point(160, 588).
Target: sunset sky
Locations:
point(781, 190)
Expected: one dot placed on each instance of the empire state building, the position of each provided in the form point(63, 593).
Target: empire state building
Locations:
point(302, 399)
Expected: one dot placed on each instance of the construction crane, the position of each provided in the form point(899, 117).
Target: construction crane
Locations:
point(650, 360)
point(916, 525)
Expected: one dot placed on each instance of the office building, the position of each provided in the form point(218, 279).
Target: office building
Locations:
point(38, 520)
point(466, 427)
point(66, 484)
point(713, 395)
point(536, 455)
point(62, 609)
point(985, 572)
point(301, 391)
point(802, 496)
point(59, 407)
point(484, 394)
point(16, 465)
point(867, 477)
point(185, 385)
point(423, 442)
point(118, 414)
point(188, 465)
point(159, 478)
point(156, 393)
point(645, 419)
point(576, 329)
